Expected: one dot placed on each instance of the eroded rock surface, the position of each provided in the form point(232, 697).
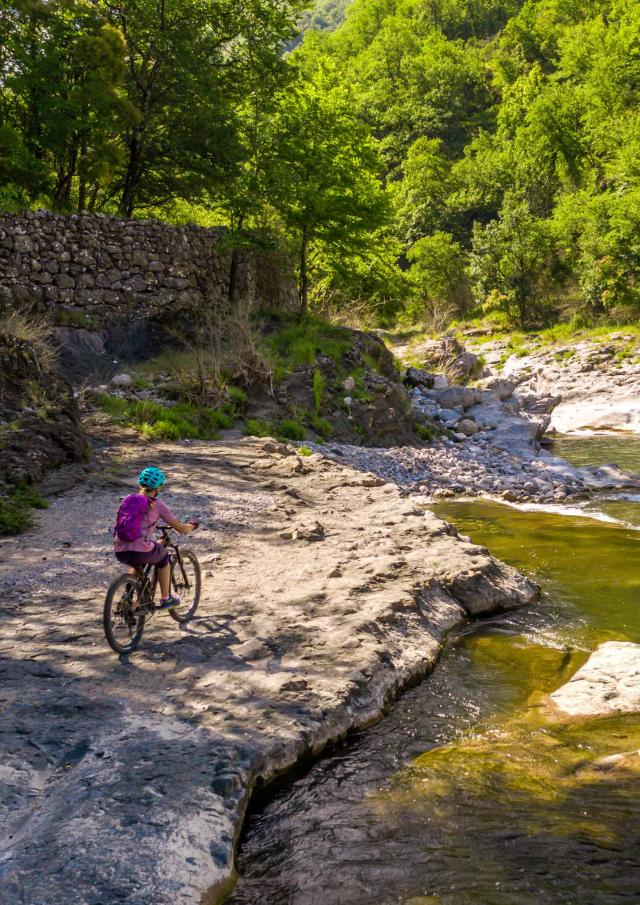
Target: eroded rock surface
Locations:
point(597, 382)
point(608, 683)
point(325, 591)
point(40, 427)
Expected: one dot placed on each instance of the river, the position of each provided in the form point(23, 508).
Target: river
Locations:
point(469, 791)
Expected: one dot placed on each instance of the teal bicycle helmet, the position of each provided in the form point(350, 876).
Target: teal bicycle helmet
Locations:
point(151, 477)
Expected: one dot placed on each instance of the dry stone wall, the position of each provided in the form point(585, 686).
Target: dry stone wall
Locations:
point(110, 271)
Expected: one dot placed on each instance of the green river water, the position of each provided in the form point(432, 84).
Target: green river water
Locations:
point(471, 791)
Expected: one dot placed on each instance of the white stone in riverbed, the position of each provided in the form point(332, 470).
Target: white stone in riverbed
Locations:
point(608, 683)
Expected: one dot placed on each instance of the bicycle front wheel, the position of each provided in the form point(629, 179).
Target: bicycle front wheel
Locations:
point(185, 584)
point(123, 623)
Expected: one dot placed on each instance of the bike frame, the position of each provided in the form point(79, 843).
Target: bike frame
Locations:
point(148, 574)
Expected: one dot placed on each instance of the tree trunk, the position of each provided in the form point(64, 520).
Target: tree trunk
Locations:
point(303, 290)
point(82, 182)
point(132, 178)
point(62, 194)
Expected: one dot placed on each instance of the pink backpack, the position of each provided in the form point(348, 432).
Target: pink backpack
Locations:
point(130, 514)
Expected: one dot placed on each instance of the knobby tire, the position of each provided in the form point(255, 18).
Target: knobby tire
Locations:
point(181, 574)
point(118, 613)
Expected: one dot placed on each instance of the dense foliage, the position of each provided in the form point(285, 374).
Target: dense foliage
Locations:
point(424, 155)
point(510, 138)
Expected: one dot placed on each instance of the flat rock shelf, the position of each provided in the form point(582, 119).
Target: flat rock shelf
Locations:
point(325, 593)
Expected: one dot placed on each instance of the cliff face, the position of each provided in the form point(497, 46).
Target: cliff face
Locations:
point(39, 419)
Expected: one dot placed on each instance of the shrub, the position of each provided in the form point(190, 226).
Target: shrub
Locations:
point(237, 395)
point(289, 429)
point(305, 451)
point(70, 317)
point(298, 344)
point(157, 422)
point(161, 430)
point(321, 426)
point(318, 389)
point(16, 509)
point(254, 427)
point(34, 330)
point(427, 432)
point(112, 405)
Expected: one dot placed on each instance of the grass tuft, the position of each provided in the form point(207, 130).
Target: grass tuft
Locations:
point(290, 429)
point(254, 427)
point(16, 509)
point(153, 421)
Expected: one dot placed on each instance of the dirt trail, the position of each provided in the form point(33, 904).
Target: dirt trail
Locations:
point(125, 780)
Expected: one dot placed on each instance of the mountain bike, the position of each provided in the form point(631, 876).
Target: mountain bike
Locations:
point(130, 599)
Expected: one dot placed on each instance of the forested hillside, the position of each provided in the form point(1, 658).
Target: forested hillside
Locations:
point(323, 15)
point(424, 158)
point(509, 138)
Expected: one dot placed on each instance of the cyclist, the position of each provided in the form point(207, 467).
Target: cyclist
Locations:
point(137, 518)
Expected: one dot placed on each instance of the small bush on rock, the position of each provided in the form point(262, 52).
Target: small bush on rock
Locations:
point(321, 426)
point(427, 433)
point(254, 427)
point(16, 509)
point(289, 429)
point(318, 390)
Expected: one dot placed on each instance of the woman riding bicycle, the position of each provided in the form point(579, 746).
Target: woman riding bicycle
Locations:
point(137, 518)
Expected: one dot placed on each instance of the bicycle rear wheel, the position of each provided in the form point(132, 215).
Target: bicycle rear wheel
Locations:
point(185, 583)
point(123, 625)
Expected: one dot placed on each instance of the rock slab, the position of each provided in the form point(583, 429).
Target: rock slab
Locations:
point(127, 780)
point(608, 683)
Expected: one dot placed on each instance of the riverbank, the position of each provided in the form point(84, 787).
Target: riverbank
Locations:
point(325, 593)
point(494, 418)
point(472, 789)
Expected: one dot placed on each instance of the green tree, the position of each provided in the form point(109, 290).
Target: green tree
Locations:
point(420, 197)
point(510, 259)
point(437, 276)
point(324, 176)
point(62, 93)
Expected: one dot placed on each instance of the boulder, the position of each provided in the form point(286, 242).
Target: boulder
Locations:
point(598, 413)
point(122, 380)
point(608, 683)
point(448, 416)
point(467, 427)
point(456, 397)
point(539, 405)
point(465, 364)
point(418, 378)
point(512, 432)
point(81, 352)
point(502, 388)
point(39, 414)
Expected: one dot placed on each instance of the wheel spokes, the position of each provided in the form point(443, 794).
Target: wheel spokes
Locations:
point(125, 616)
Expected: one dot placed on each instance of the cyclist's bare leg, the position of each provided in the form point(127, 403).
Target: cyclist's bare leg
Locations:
point(164, 579)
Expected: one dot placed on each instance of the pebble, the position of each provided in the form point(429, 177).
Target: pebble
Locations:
point(447, 468)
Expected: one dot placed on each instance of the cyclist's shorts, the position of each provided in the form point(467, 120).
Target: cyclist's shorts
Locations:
point(157, 557)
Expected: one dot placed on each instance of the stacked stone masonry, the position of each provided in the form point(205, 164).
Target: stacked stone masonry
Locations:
point(114, 270)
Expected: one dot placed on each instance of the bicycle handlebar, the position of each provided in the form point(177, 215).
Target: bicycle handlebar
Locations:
point(164, 528)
